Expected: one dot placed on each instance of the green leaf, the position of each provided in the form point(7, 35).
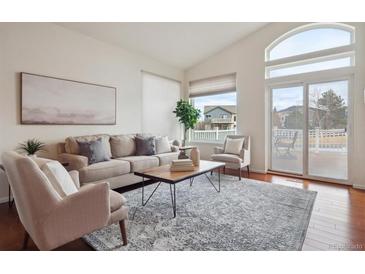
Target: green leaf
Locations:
point(186, 114)
point(31, 146)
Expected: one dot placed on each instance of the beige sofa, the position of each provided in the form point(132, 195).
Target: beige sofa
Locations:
point(119, 171)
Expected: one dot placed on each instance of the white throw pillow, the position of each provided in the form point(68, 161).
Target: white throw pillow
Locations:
point(234, 146)
point(162, 145)
point(59, 178)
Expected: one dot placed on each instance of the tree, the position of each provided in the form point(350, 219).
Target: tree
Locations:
point(188, 115)
point(335, 110)
point(295, 119)
point(276, 118)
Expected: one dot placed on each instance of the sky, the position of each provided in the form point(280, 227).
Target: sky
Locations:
point(309, 41)
point(220, 99)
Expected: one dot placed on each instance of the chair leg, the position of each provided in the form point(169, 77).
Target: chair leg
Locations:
point(239, 173)
point(25, 241)
point(248, 171)
point(123, 232)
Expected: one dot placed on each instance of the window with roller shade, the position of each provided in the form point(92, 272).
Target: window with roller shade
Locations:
point(216, 97)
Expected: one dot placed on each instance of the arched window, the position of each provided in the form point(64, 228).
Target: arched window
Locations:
point(314, 47)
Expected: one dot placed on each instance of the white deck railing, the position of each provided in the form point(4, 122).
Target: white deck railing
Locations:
point(319, 139)
point(216, 135)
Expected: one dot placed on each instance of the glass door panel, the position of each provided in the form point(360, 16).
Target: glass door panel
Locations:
point(327, 129)
point(287, 124)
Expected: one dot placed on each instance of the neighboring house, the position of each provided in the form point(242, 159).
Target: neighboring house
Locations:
point(221, 117)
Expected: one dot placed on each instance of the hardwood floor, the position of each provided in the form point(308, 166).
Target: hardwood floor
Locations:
point(337, 222)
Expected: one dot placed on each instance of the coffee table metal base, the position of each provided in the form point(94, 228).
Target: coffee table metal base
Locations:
point(173, 189)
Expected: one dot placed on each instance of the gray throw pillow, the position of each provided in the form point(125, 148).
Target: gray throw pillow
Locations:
point(94, 151)
point(145, 145)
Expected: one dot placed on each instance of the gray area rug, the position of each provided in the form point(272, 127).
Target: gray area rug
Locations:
point(245, 215)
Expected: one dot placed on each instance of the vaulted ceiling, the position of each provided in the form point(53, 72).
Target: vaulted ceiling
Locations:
point(181, 45)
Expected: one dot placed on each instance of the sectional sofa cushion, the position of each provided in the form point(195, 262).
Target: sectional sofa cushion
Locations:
point(167, 158)
point(94, 150)
point(145, 145)
point(139, 163)
point(162, 145)
point(104, 170)
point(72, 146)
point(59, 178)
point(122, 145)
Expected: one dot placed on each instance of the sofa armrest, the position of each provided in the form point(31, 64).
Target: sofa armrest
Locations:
point(218, 150)
point(77, 214)
point(76, 162)
point(75, 177)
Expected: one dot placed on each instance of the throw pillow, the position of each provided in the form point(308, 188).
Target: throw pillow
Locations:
point(94, 151)
point(233, 146)
point(162, 145)
point(145, 145)
point(59, 178)
point(122, 145)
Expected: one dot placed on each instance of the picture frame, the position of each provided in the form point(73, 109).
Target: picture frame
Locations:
point(47, 100)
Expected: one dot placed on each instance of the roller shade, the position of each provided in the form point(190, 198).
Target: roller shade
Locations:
point(213, 85)
point(159, 97)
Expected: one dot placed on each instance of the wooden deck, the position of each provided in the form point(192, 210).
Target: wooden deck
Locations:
point(332, 164)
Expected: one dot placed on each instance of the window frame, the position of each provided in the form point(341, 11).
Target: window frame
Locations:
point(305, 28)
point(304, 79)
point(308, 61)
point(310, 57)
point(216, 142)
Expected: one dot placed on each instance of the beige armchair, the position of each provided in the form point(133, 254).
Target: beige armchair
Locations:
point(52, 221)
point(235, 161)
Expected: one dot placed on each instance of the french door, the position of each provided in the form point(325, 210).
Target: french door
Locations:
point(309, 129)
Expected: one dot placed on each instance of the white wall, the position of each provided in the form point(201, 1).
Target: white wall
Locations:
point(246, 58)
point(49, 49)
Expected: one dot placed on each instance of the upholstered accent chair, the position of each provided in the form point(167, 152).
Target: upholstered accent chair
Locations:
point(234, 161)
point(52, 220)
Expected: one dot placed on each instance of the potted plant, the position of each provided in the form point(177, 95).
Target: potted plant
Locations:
point(31, 146)
point(188, 115)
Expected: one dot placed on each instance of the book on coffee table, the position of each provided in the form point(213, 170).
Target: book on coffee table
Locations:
point(182, 168)
point(182, 165)
point(182, 162)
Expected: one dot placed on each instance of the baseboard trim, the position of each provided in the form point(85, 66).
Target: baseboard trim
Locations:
point(362, 187)
point(344, 183)
point(4, 200)
point(257, 171)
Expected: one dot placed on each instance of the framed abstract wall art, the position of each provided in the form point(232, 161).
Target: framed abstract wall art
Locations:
point(55, 101)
